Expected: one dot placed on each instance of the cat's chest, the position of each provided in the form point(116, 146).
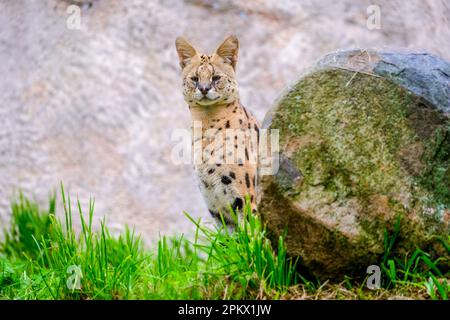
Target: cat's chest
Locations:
point(224, 148)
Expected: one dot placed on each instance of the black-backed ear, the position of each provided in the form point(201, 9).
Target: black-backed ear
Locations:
point(185, 51)
point(228, 50)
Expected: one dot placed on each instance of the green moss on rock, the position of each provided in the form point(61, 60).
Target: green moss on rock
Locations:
point(370, 153)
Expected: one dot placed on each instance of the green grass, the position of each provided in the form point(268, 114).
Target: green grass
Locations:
point(418, 269)
point(42, 257)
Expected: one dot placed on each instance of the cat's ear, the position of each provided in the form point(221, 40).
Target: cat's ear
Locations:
point(228, 50)
point(185, 51)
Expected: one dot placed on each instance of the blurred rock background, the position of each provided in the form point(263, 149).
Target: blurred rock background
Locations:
point(95, 107)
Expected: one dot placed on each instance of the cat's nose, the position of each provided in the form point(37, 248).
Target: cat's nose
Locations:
point(204, 88)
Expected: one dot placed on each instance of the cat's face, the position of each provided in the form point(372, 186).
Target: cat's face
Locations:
point(209, 79)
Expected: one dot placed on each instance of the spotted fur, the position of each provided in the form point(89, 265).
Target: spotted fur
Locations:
point(229, 133)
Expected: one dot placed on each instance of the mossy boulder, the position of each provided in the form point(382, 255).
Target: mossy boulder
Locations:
point(364, 154)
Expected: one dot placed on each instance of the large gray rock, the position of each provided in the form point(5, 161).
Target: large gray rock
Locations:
point(364, 144)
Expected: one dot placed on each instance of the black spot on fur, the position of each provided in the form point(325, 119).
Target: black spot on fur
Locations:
point(257, 131)
point(238, 204)
point(227, 125)
point(247, 180)
point(232, 175)
point(246, 154)
point(225, 180)
point(211, 171)
point(246, 114)
point(205, 184)
point(240, 121)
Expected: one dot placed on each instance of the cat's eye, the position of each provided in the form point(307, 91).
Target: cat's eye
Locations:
point(216, 78)
point(195, 79)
